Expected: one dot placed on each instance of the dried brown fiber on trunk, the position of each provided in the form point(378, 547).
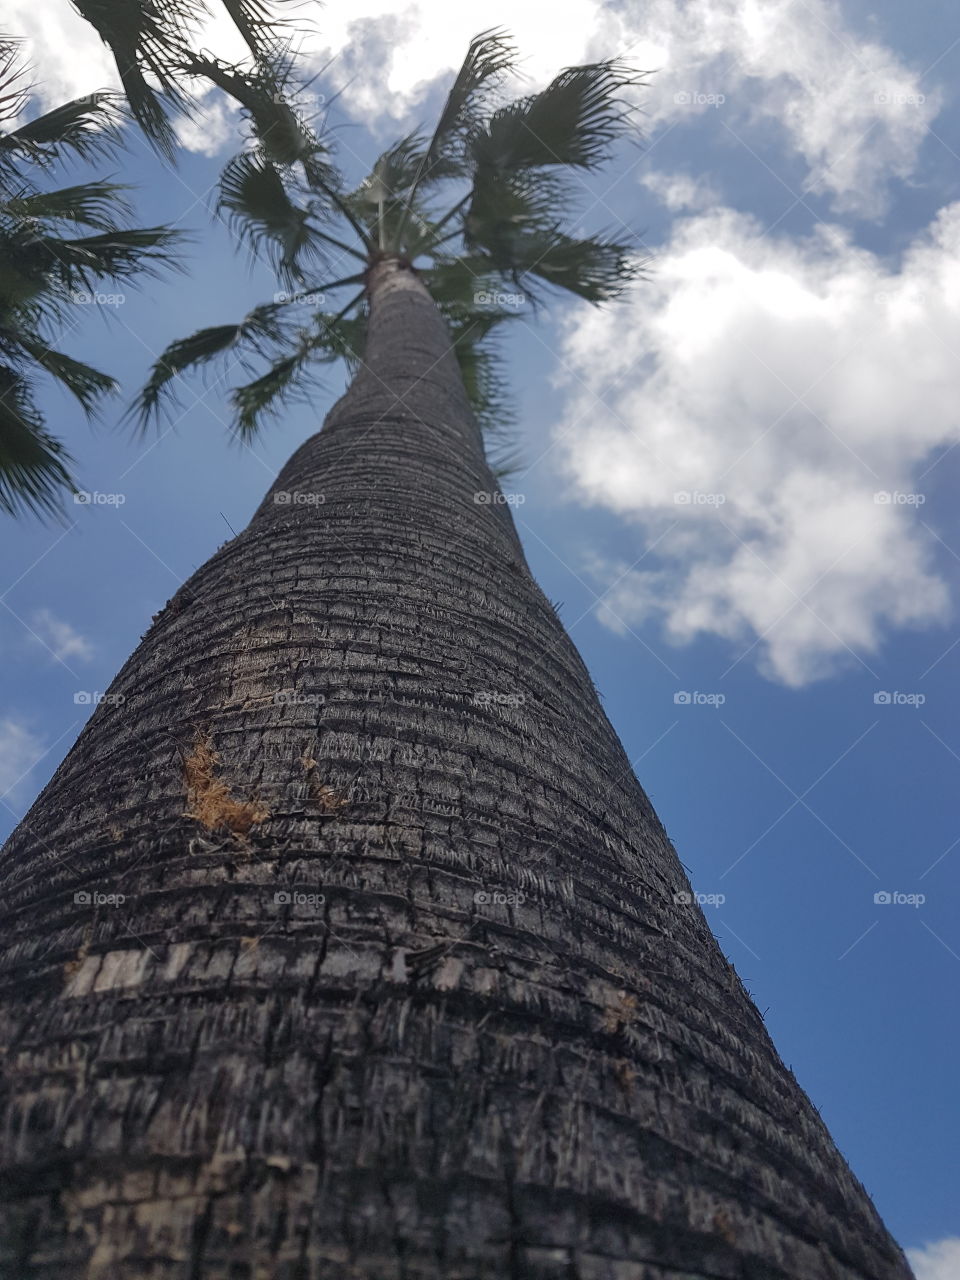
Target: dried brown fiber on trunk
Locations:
point(424, 1005)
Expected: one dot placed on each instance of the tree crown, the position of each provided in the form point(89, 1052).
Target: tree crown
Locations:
point(481, 208)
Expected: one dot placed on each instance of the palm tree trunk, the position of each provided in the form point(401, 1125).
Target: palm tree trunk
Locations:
point(400, 987)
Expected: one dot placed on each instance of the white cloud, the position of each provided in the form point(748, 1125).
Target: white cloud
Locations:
point(63, 640)
point(939, 1261)
point(851, 108)
point(67, 57)
point(781, 385)
point(680, 192)
point(20, 751)
point(211, 125)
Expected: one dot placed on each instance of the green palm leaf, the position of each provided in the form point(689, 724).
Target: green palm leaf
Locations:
point(260, 211)
point(146, 36)
point(81, 128)
point(256, 22)
point(290, 378)
point(481, 368)
point(14, 87)
point(110, 255)
point(267, 95)
point(258, 334)
point(511, 222)
point(574, 122)
point(33, 465)
point(87, 384)
point(92, 204)
point(489, 56)
point(286, 380)
point(594, 268)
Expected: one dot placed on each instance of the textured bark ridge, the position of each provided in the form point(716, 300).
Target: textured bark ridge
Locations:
point(399, 988)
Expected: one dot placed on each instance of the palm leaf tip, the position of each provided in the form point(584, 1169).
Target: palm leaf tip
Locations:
point(34, 473)
point(94, 204)
point(258, 334)
point(84, 127)
point(573, 122)
point(489, 57)
point(266, 395)
point(260, 211)
point(87, 384)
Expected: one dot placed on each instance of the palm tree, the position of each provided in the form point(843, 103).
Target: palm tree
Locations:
point(50, 274)
point(344, 942)
point(61, 249)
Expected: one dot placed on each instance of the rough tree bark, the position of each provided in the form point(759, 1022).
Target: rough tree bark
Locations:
point(498, 1046)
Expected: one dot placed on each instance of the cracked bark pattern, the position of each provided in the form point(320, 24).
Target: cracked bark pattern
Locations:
point(401, 1081)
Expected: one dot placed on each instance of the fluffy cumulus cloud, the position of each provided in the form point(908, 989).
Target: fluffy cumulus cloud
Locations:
point(765, 411)
point(20, 751)
point(940, 1261)
point(851, 108)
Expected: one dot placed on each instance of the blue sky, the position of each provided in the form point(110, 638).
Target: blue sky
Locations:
point(702, 479)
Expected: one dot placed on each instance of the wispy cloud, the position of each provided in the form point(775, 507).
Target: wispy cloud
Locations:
point(20, 751)
point(63, 640)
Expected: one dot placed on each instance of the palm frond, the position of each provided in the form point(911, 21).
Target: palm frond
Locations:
point(33, 465)
point(481, 364)
point(489, 56)
point(268, 96)
point(457, 282)
point(84, 382)
point(384, 201)
point(258, 334)
point(341, 336)
point(83, 128)
point(14, 86)
point(504, 207)
point(93, 204)
point(110, 255)
point(147, 36)
point(594, 268)
point(286, 380)
point(260, 211)
point(573, 122)
point(257, 24)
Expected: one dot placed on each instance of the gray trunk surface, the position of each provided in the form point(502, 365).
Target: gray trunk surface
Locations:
point(400, 987)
